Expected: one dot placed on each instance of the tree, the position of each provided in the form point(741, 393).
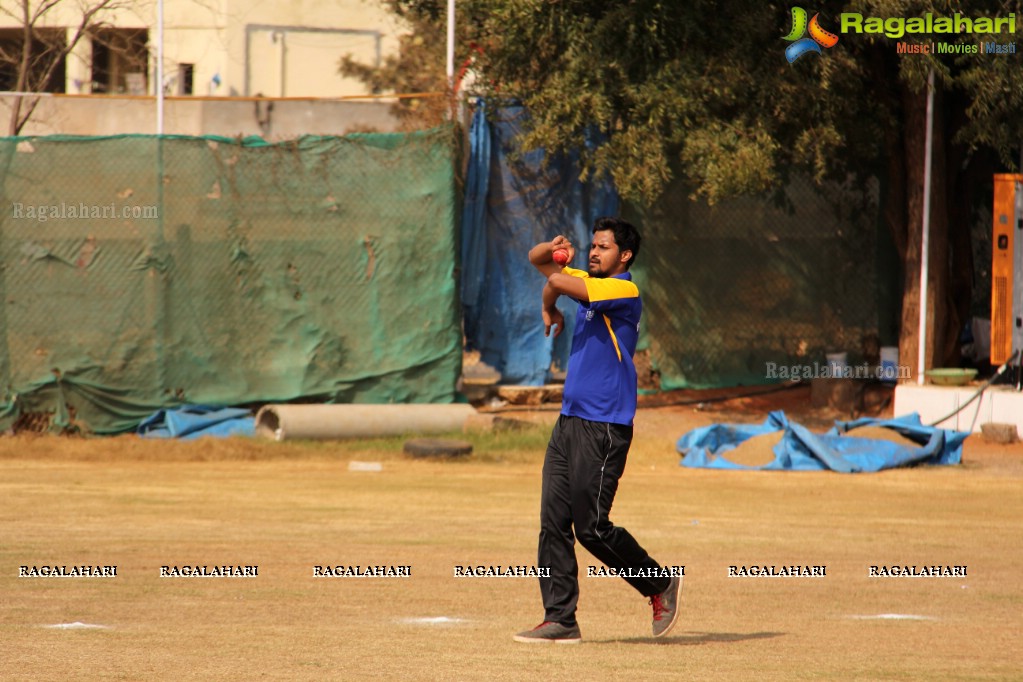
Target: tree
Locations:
point(700, 89)
point(672, 92)
point(418, 71)
point(977, 130)
point(42, 50)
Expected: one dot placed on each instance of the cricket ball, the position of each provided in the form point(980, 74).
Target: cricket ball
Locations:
point(560, 256)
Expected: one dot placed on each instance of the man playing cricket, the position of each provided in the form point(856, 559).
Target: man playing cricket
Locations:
point(590, 442)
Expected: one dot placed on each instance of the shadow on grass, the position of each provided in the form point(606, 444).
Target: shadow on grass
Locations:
point(698, 638)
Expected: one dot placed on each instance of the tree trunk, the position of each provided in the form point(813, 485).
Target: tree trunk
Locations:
point(968, 170)
point(21, 85)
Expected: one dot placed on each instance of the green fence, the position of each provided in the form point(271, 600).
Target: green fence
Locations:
point(141, 272)
point(738, 289)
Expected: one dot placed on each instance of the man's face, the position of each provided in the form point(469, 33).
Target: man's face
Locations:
point(605, 257)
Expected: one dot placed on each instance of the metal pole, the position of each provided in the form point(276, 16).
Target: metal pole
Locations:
point(284, 64)
point(451, 52)
point(925, 238)
point(159, 67)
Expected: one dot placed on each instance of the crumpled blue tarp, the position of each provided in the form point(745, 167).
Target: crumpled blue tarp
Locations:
point(193, 421)
point(836, 450)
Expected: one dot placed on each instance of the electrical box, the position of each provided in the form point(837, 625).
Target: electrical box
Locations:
point(1007, 268)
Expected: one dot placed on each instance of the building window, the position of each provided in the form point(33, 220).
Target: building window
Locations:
point(47, 52)
point(186, 72)
point(120, 61)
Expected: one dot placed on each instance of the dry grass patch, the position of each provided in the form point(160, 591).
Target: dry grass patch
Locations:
point(288, 507)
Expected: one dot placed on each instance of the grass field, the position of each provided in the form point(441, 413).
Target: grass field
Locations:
point(288, 507)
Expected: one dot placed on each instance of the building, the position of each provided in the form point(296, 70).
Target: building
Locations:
point(212, 49)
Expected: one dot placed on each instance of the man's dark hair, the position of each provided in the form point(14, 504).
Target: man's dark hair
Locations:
point(626, 236)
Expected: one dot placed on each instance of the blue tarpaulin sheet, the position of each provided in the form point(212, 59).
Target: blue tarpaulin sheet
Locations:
point(837, 450)
point(194, 421)
point(512, 202)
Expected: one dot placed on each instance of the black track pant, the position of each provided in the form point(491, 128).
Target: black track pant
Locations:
point(581, 469)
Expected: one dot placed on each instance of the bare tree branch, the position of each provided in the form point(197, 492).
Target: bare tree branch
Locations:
point(37, 66)
point(42, 9)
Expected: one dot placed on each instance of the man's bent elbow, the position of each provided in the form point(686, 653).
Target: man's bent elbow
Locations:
point(568, 285)
point(557, 282)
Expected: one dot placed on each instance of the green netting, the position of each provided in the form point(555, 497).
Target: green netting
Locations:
point(732, 287)
point(222, 271)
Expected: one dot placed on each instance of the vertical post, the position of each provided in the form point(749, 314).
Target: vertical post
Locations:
point(925, 238)
point(284, 62)
point(451, 55)
point(159, 67)
point(156, 286)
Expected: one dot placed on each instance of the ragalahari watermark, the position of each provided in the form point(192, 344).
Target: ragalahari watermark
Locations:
point(818, 370)
point(82, 211)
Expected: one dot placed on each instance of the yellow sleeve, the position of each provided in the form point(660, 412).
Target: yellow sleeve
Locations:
point(610, 289)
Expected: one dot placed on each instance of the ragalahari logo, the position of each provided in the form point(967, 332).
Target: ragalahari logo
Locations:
point(818, 36)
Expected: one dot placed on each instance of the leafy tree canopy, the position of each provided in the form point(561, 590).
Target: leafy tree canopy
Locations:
point(702, 87)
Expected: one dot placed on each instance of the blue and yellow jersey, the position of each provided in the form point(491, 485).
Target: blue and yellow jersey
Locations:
point(600, 383)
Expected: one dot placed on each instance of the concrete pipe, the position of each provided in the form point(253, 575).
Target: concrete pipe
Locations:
point(327, 422)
